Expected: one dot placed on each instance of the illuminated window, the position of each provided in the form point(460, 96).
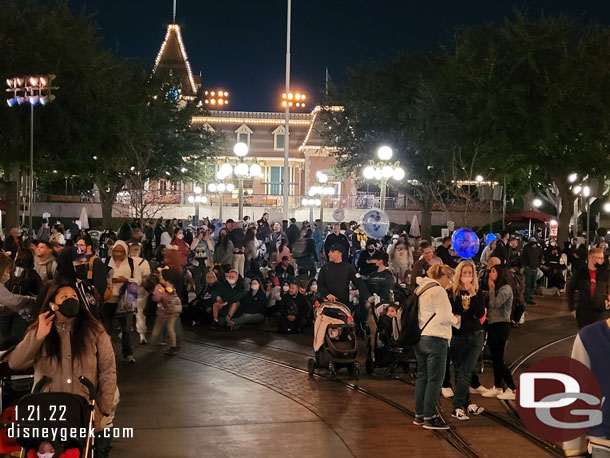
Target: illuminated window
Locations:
point(243, 134)
point(279, 136)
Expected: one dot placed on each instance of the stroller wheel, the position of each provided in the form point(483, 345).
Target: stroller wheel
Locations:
point(332, 370)
point(369, 365)
point(390, 372)
point(354, 370)
point(311, 365)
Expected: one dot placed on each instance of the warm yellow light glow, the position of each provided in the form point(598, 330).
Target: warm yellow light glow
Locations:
point(284, 95)
point(213, 93)
point(220, 101)
point(284, 104)
point(297, 96)
point(213, 101)
point(226, 94)
point(290, 95)
point(176, 28)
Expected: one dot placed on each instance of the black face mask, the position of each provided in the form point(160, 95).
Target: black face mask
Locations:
point(69, 308)
point(599, 265)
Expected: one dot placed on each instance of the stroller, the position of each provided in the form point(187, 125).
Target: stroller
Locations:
point(13, 386)
point(64, 412)
point(334, 340)
point(382, 350)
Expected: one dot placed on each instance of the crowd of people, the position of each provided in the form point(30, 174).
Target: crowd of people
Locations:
point(63, 294)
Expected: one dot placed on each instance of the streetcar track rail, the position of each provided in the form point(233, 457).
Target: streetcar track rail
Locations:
point(451, 435)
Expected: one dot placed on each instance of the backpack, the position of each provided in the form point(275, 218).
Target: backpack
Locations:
point(410, 333)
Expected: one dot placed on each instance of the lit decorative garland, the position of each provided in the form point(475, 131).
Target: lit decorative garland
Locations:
point(176, 28)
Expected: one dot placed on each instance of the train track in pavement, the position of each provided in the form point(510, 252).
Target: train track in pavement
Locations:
point(452, 436)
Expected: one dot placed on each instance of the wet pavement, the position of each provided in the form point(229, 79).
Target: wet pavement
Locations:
point(247, 394)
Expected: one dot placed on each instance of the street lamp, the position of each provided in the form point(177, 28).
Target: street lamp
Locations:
point(321, 192)
point(197, 199)
point(217, 98)
point(383, 171)
point(291, 99)
point(242, 171)
point(220, 188)
point(537, 203)
point(583, 191)
point(34, 89)
point(311, 203)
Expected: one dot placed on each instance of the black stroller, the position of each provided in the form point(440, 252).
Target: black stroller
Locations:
point(334, 340)
point(382, 350)
point(41, 413)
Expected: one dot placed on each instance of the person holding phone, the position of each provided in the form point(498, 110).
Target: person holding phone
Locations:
point(67, 342)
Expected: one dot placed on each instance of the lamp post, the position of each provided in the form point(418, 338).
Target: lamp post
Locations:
point(311, 203)
point(383, 170)
point(242, 171)
point(286, 188)
point(321, 191)
point(220, 188)
point(583, 191)
point(33, 89)
point(197, 199)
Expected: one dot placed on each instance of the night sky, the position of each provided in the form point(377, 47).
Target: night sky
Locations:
point(240, 45)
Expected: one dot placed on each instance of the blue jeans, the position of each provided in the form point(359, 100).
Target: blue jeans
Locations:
point(431, 354)
point(464, 350)
point(530, 283)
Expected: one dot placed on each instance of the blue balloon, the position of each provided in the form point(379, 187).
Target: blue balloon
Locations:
point(490, 238)
point(465, 242)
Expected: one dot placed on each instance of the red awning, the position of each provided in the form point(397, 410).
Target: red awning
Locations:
point(530, 215)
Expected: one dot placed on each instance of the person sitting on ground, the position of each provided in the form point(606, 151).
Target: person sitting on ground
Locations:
point(285, 270)
point(200, 309)
point(293, 311)
point(251, 309)
point(228, 294)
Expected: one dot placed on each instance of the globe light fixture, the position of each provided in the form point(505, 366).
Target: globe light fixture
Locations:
point(479, 178)
point(537, 203)
point(572, 177)
point(197, 189)
point(387, 171)
point(385, 153)
point(240, 149)
point(369, 172)
point(607, 207)
point(398, 174)
point(212, 187)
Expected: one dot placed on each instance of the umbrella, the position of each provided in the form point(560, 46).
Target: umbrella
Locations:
point(414, 230)
point(530, 215)
point(83, 220)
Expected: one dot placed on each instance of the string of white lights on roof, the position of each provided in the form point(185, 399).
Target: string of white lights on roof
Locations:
point(176, 28)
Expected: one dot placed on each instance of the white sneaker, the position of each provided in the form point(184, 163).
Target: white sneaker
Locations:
point(474, 409)
point(508, 395)
point(447, 392)
point(460, 414)
point(492, 393)
point(130, 359)
point(480, 390)
point(143, 340)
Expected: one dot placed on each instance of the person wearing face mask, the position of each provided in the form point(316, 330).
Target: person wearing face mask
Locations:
point(365, 268)
point(199, 311)
point(67, 342)
point(293, 310)
point(95, 272)
point(251, 308)
point(588, 291)
point(10, 302)
point(228, 295)
point(420, 268)
point(183, 247)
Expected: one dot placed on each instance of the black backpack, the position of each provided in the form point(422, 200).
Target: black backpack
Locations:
point(410, 333)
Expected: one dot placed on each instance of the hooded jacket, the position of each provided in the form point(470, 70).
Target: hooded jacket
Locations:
point(434, 300)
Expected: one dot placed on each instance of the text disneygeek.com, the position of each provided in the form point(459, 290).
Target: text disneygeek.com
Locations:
point(63, 434)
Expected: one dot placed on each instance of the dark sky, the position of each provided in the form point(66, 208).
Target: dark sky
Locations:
point(240, 45)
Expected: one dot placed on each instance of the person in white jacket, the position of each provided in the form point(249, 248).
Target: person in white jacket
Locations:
point(435, 321)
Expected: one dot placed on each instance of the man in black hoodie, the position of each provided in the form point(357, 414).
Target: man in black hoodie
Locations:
point(336, 238)
point(335, 276)
point(292, 232)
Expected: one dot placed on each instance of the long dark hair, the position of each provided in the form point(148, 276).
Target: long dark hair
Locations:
point(503, 276)
point(84, 327)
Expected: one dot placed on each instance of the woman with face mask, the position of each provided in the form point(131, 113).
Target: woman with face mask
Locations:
point(183, 247)
point(66, 342)
point(252, 306)
point(401, 257)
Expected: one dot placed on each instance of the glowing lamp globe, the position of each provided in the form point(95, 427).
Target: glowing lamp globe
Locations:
point(465, 243)
point(369, 172)
point(197, 189)
point(241, 170)
point(255, 170)
point(490, 238)
point(240, 149)
point(398, 174)
point(226, 169)
point(221, 187)
point(230, 187)
point(385, 153)
point(191, 199)
point(304, 202)
point(212, 187)
point(387, 171)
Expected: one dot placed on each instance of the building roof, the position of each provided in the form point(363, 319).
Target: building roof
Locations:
point(313, 140)
point(172, 58)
